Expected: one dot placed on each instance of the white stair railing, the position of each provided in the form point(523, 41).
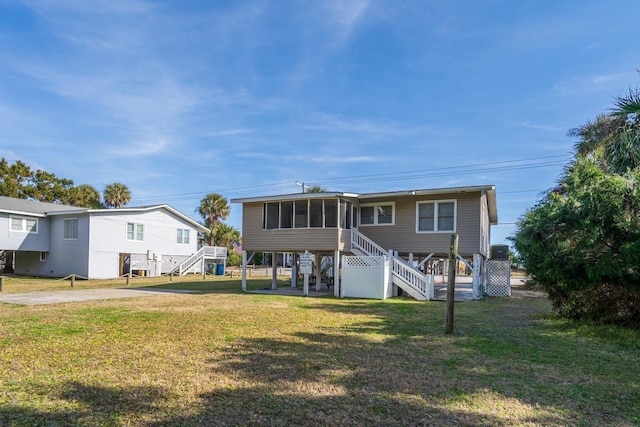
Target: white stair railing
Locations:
point(366, 245)
point(205, 252)
point(404, 274)
point(190, 262)
point(414, 278)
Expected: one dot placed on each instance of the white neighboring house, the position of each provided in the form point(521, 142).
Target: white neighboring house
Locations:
point(58, 240)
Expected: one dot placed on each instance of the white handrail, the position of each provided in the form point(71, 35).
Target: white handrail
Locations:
point(366, 245)
point(400, 268)
point(206, 252)
point(190, 260)
point(413, 277)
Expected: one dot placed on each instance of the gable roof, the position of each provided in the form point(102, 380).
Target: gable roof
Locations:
point(42, 209)
point(32, 207)
point(489, 189)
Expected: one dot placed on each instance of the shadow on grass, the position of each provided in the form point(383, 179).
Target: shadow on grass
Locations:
point(337, 380)
point(217, 285)
point(90, 405)
point(504, 366)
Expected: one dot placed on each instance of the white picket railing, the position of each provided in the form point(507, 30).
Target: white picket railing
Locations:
point(366, 245)
point(412, 280)
point(205, 252)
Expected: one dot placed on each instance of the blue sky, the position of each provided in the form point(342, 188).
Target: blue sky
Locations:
point(177, 99)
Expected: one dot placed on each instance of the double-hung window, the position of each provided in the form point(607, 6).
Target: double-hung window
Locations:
point(436, 216)
point(71, 229)
point(24, 225)
point(377, 214)
point(182, 236)
point(135, 231)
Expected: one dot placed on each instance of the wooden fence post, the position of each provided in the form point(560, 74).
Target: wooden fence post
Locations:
point(73, 280)
point(171, 276)
point(128, 278)
point(451, 284)
point(1, 283)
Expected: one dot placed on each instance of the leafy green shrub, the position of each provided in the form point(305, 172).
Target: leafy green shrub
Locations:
point(581, 243)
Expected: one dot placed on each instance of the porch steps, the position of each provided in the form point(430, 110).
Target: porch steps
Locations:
point(197, 259)
point(405, 276)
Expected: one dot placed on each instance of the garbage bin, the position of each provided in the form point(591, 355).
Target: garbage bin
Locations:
point(211, 268)
point(220, 270)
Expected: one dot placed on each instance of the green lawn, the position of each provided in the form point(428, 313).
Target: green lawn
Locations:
point(223, 357)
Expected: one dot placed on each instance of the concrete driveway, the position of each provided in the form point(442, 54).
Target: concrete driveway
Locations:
point(57, 297)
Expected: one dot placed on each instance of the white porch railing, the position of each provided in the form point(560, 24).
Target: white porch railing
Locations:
point(204, 253)
point(366, 245)
point(408, 278)
point(414, 278)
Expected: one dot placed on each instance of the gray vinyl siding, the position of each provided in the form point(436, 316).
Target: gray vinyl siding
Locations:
point(28, 264)
point(69, 256)
point(344, 240)
point(20, 241)
point(108, 231)
point(254, 238)
point(402, 236)
point(472, 226)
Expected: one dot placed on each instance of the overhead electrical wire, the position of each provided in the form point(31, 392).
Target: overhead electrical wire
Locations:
point(490, 167)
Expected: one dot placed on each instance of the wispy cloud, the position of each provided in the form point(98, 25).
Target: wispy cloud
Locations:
point(305, 158)
point(114, 69)
point(547, 128)
point(593, 83)
point(344, 17)
point(226, 132)
point(336, 124)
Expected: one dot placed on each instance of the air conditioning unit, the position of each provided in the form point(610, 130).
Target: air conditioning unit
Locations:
point(500, 252)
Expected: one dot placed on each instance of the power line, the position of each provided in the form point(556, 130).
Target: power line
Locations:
point(507, 165)
point(457, 167)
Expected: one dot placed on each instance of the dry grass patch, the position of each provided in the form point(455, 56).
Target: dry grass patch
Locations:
point(227, 358)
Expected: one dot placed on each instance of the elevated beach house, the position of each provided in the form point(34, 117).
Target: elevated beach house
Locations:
point(54, 240)
point(390, 237)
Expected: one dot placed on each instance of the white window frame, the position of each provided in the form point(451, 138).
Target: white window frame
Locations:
point(64, 232)
point(183, 236)
point(135, 232)
point(376, 209)
point(23, 224)
point(436, 204)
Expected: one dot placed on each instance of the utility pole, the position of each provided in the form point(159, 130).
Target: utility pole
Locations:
point(451, 284)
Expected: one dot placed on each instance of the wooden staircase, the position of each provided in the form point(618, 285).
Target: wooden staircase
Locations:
point(197, 259)
point(406, 277)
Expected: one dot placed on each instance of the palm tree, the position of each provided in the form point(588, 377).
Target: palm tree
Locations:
point(222, 235)
point(612, 141)
point(628, 106)
point(116, 195)
point(213, 208)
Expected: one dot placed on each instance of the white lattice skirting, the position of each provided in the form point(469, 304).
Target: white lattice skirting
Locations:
point(498, 278)
point(363, 262)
